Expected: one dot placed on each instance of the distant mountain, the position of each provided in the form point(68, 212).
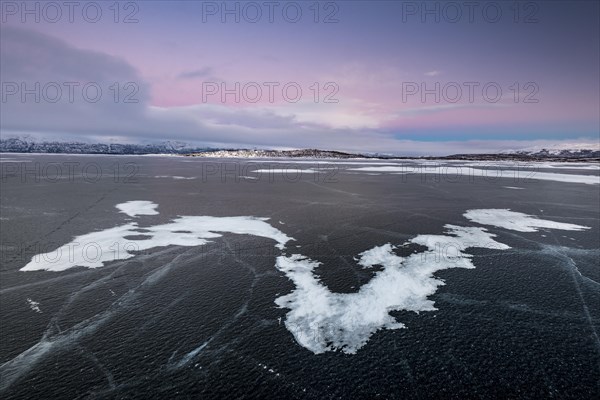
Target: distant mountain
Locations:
point(563, 156)
point(588, 152)
point(15, 145)
point(538, 155)
point(561, 150)
point(564, 153)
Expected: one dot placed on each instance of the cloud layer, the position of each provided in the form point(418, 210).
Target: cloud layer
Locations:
point(65, 105)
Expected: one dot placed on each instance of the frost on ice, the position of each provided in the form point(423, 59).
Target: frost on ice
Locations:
point(320, 320)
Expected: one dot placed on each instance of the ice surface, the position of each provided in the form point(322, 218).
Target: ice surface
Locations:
point(516, 221)
point(320, 320)
point(490, 174)
point(285, 171)
point(535, 165)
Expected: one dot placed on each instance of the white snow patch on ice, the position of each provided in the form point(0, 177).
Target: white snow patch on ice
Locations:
point(95, 249)
point(13, 160)
point(490, 174)
point(176, 177)
point(399, 168)
point(294, 171)
point(34, 305)
point(138, 207)
point(535, 164)
point(516, 221)
point(321, 320)
point(321, 161)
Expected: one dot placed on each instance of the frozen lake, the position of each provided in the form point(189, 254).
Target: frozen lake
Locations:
point(136, 276)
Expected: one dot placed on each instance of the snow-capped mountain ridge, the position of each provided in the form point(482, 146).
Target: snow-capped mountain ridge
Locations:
point(589, 149)
point(15, 145)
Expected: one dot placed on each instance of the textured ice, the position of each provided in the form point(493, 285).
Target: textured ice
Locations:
point(516, 221)
point(320, 320)
point(490, 174)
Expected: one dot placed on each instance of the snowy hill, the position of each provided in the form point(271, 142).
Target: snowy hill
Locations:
point(17, 145)
point(562, 150)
